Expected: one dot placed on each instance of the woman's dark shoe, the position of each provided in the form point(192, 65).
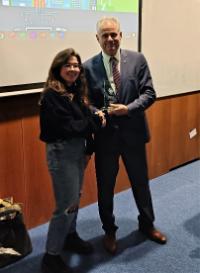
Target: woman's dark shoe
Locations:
point(54, 264)
point(75, 244)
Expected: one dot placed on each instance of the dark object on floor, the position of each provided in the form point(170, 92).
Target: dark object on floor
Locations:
point(15, 242)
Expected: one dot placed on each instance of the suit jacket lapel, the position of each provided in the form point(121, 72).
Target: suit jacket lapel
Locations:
point(123, 65)
point(123, 70)
point(100, 69)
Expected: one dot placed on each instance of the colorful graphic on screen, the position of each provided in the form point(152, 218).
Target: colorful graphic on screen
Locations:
point(95, 5)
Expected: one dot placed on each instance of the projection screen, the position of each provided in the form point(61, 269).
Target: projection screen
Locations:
point(33, 31)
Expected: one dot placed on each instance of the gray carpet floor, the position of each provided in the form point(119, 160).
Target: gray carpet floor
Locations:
point(176, 199)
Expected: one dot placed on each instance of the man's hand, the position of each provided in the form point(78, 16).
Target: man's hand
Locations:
point(117, 109)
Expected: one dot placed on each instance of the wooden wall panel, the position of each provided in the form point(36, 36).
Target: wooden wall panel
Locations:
point(39, 195)
point(24, 174)
point(89, 190)
point(184, 118)
point(12, 182)
point(158, 116)
point(38, 184)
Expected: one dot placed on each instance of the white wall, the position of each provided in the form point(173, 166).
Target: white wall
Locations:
point(171, 43)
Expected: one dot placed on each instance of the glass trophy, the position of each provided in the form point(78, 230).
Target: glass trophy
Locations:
point(109, 95)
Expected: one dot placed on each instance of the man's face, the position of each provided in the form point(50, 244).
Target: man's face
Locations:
point(109, 37)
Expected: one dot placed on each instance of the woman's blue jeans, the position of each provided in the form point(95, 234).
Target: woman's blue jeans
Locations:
point(66, 163)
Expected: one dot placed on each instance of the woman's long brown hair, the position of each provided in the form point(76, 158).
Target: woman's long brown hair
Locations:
point(56, 82)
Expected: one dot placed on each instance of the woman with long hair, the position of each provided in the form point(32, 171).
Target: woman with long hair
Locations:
point(67, 125)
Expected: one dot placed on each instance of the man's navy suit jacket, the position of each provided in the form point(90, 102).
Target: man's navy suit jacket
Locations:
point(136, 91)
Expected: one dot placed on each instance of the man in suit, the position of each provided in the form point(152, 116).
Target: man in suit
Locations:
point(123, 88)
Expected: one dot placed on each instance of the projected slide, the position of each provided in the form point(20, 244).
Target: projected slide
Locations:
point(99, 5)
point(33, 31)
point(62, 15)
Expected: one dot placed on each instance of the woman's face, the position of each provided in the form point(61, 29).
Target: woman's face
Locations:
point(70, 71)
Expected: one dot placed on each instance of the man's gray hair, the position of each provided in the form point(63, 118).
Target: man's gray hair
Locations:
point(104, 19)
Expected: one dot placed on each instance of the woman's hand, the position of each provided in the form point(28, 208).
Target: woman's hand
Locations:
point(102, 117)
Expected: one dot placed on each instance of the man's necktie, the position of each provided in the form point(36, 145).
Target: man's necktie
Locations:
point(115, 72)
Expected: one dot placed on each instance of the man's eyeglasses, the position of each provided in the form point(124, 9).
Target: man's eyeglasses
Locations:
point(69, 66)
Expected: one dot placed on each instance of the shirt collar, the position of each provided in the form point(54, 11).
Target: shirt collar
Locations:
point(106, 57)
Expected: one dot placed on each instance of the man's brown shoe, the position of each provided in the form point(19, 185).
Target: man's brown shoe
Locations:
point(110, 243)
point(155, 235)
